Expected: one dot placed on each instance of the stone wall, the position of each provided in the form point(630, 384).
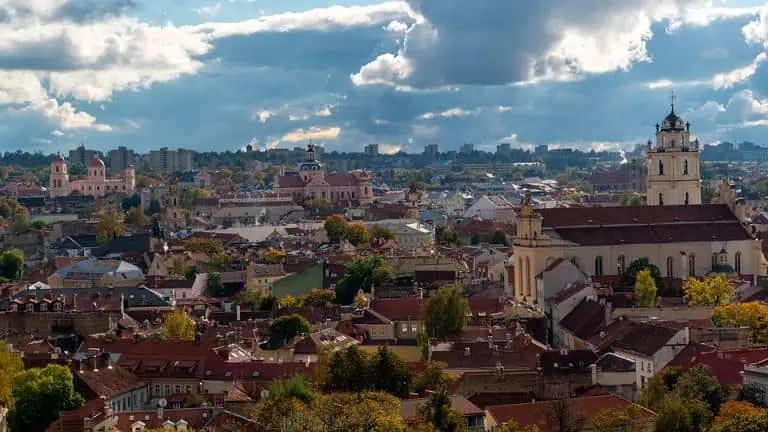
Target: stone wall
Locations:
point(44, 324)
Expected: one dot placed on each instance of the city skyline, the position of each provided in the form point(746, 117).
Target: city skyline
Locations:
point(210, 74)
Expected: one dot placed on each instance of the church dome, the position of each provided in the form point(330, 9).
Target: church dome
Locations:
point(673, 122)
point(96, 162)
point(58, 159)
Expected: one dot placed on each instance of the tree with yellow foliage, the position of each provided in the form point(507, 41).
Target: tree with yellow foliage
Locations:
point(645, 289)
point(714, 290)
point(274, 256)
point(288, 301)
point(732, 409)
point(10, 365)
point(110, 225)
point(753, 315)
point(513, 426)
point(179, 326)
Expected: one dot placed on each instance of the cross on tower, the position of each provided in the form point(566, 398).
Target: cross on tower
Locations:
point(672, 98)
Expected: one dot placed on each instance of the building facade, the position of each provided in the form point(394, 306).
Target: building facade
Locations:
point(96, 183)
point(311, 182)
point(120, 159)
point(169, 161)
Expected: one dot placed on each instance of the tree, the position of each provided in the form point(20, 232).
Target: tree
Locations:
point(697, 383)
point(208, 246)
point(213, 286)
point(732, 409)
point(154, 208)
point(335, 228)
point(389, 373)
point(19, 220)
point(256, 300)
point(12, 264)
point(287, 327)
point(445, 312)
point(563, 418)
point(131, 202)
point(353, 412)
point(658, 387)
point(707, 193)
point(193, 194)
point(587, 187)
point(753, 315)
point(377, 232)
point(179, 326)
point(432, 378)
point(751, 393)
point(135, 216)
point(645, 289)
point(179, 267)
point(715, 290)
point(274, 256)
point(39, 395)
point(297, 387)
point(747, 422)
point(221, 262)
point(681, 415)
point(288, 301)
point(348, 371)
point(110, 226)
point(361, 300)
point(10, 365)
point(39, 224)
point(362, 274)
point(513, 426)
point(629, 277)
point(611, 420)
point(318, 205)
point(357, 234)
point(439, 413)
point(631, 199)
point(319, 298)
point(499, 237)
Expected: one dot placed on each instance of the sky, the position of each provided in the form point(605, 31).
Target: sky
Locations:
point(222, 74)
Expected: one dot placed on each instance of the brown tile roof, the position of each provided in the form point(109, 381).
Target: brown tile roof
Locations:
point(646, 339)
point(106, 379)
point(609, 178)
point(725, 365)
point(567, 293)
point(604, 216)
point(606, 336)
point(195, 417)
point(654, 233)
point(585, 319)
point(521, 354)
point(290, 181)
point(342, 179)
point(539, 413)
point(564, 361)
point(409, 407)
point(399, 309)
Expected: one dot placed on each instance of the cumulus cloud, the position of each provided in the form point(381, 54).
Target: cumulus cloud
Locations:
point(488, 42)
point(744, 109)
point(719, 81)
point(450, 113)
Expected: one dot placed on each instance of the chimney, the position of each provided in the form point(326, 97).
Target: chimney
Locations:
point(467, 352)
point(593, 367)
point(237, 312)
point(107, 407)
point(95, 363)
point(490, 342)
point(608, 312)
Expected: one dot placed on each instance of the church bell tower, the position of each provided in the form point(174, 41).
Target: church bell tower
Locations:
point(674, 177)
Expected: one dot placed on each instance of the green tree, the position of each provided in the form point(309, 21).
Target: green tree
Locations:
point(256, 300)
point(136, 217)
point(587, 187)
point(193, 194)
point(349, 412)
point(751, 393)
point(446, 312)
point(437, 411)
point(629, 277)
point(499, 237)
point(697, 383)
point(221, 262)
point(715, 290)
point(12, 264)
point(645, 289)
point(319, 298)
point(362, 274)
point(154, 208)
point(179, 326)
point(318, 205)
point(381, 233)
point(131, 202)
point(335, 228)
point(389, 373)
point(287, 327)
point(19, 220)
point(208, 246)
point(110, 226)
point(707, 193)
point(612, 420)
point(179, 267)
point(39, 224)
point(213, 286)
point(513, 426)
point(10, 365)
point(77, 169)
point(297, 387)
point(682, 415)
point(348, 371)
point(357, 234)
point(748, 422)
point(631, 199)
point(657, 387)
point(39, 395)
point(432, 378)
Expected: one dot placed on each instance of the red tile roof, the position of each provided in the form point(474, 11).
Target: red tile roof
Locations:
point(654, 233)
point(400, 309)
point(585, 319)
point(290, 181)
point(604, 216)
point(520, 354)
point(608, 178)
point(646, 339)
point(539, 413)
point(725, 365)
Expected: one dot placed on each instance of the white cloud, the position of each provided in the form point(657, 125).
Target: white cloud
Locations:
point(313, 133)
point(389, 149)
point(715, 53)
point(210, 10)
point(455, 42)
point(503, 108)
point(719, 81)
point(263, 116)
point(450, 113)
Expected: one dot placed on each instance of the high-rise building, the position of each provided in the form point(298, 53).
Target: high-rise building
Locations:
point(431, 150)
point(81, 155)
point(168, 161)
point(372, 149)
point(120, 159)
point(541, 149)
point(503, 149)
point(467, 148)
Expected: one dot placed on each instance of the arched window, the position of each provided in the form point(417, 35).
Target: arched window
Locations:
point(661, 167)
point(528, 277)
point(621, 264)
point(737, 262)
point(691, 265)
point(685, 167)
point(599, 266)
point(686, 198)
point(661, 199)
point(670, 267)
point(57, 168)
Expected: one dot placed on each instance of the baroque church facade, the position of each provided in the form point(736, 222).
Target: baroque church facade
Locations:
point(96, 183)
point(675, 231)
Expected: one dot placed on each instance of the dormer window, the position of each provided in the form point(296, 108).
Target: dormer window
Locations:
point(57, 306)
point(30, 307)
point(14, 307)
point(43, 307)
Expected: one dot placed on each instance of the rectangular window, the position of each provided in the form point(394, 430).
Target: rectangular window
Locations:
point(178, 388)
point(405, 328)
point(157, 390)
point(167, 389)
